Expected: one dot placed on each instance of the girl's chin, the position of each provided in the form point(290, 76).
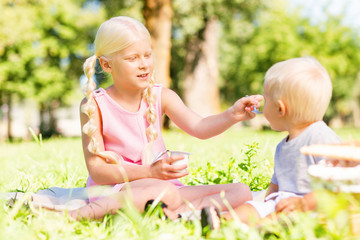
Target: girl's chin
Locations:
point(144, 85)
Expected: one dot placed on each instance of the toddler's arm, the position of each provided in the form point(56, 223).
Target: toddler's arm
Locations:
point(207, 127)
point(271, 189)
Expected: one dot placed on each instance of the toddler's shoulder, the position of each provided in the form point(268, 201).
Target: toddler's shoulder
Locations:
point(322, 133)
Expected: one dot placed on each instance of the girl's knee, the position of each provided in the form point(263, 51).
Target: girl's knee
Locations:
point(169, 196)
point(145, 182)
point(165, 185)
point(242, 191)
point(161, 187)
point(154, 189)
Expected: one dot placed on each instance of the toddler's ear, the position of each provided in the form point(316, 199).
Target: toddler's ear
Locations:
point(282, 109)
point(105, 64)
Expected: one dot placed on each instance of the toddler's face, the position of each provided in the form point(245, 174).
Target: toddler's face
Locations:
point(271, 112)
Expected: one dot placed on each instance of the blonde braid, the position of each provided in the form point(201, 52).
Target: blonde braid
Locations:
point(89, 109)
point(150, 99)
point(150, 114)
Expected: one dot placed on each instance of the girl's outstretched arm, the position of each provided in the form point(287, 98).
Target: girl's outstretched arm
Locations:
point(210, 126)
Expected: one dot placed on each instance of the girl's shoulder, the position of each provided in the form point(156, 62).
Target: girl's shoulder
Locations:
point(158, 85)
point(158, 89)
point(99, 92)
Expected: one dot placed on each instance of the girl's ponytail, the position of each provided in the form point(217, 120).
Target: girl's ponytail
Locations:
point(89, 109)
point(151, 133)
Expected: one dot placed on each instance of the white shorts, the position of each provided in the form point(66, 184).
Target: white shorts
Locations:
point(270, 202)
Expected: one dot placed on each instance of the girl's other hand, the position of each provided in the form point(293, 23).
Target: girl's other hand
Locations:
point(163, 169)
point(242, 108)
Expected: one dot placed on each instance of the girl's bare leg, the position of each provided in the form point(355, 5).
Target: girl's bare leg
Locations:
point(139, 192)
point(205, 195)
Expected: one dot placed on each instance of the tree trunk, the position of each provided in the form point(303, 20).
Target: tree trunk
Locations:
point(158, 15)
point(48, 121)
point(201, 91)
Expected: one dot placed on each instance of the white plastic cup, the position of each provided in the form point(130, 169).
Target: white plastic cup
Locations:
point(183, 161)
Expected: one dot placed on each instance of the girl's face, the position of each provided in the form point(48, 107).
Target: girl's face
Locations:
point(131, 68)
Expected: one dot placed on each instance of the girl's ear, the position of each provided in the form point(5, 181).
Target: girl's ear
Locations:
point(105, 64)
point(282, 110)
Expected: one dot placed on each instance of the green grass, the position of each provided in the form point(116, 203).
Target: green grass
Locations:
point(238, 155)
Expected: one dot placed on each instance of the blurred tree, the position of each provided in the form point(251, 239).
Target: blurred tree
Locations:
point(17, 34)
point(158, 15)
point(197, 29)
point(131, 8)
point(279, 35)
point(42, 53)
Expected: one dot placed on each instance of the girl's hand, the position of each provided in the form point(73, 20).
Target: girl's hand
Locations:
point(163, 169)
point(242, 108)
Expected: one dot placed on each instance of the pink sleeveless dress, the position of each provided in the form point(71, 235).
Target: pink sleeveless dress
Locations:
point(125, 132)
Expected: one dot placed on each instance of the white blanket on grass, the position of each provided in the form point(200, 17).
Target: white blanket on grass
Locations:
point(61, 199)
point(55, 198)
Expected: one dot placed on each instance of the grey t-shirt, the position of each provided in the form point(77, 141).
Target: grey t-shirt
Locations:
point(290, 170)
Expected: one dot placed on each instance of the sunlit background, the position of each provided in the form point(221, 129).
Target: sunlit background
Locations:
point(43, 45)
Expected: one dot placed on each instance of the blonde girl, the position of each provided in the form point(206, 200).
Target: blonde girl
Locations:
point(122, 128)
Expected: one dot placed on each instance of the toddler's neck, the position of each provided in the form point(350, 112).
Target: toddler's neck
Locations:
point(297, 129)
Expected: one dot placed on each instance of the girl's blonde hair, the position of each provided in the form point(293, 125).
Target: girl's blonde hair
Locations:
point(303, 84)
point(115, 35)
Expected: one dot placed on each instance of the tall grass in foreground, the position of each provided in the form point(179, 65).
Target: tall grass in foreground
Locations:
point(239, 155)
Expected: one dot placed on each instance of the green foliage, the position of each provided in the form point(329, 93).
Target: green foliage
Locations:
point(255, 182)
point(38, 139)
point(42, 52)
point(27, 167)
point(246, 171)
point(131, 8)
point(277, 35)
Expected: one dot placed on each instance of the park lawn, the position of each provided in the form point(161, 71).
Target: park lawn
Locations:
point(238, 155)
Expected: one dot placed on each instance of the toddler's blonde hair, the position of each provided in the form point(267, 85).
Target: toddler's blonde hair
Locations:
point(303, 84)
point(115, 35)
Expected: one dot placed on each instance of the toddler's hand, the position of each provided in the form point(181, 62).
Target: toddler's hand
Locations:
point(242, 108)
point(163, 169)
point(291, 204)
